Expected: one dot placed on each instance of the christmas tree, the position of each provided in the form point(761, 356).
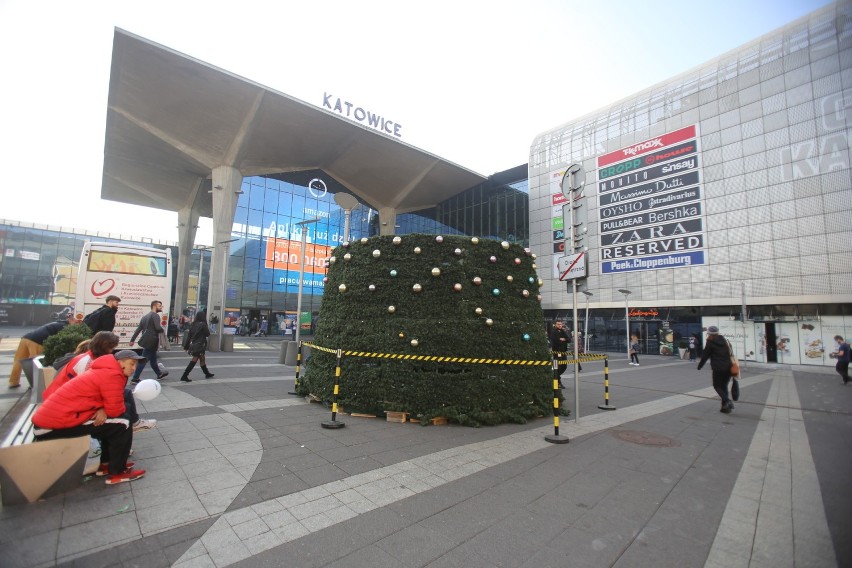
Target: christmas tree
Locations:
point(445, 326)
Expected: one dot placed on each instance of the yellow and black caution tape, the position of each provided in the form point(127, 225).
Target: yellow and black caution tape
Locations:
point(441, 359)
point(581, 359)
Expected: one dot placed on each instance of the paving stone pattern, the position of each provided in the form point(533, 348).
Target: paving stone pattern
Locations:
point(242, 474)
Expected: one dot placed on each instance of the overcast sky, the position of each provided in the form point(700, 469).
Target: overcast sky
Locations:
point(471, 81)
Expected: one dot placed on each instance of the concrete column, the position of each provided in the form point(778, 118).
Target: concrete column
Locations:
point(227, 182)
point(187, 226)
point(387, 221)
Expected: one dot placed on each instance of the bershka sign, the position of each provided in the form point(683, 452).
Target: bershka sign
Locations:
point(366, 117)
point(651, 206)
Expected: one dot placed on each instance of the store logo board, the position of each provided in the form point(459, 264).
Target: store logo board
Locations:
point(651, 206)
point(558, 199)
point(652, 145)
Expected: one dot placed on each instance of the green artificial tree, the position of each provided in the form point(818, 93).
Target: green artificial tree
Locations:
point(65, 341)
point(429, 306)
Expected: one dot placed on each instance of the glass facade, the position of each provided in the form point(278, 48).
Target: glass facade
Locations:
point(727, 184)
point(38, 265)
point(263, 266)
point(38, 268)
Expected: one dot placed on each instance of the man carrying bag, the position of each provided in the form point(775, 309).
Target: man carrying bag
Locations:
point(152, 332)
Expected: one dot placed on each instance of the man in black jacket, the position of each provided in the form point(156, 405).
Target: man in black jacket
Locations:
point(31, 345)
point(103, 319)
point(716, 350)
point(559, 345)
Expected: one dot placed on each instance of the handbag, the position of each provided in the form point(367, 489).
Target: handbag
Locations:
point(735, 364)
point(150, 340)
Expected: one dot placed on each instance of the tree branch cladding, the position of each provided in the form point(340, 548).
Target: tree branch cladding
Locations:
point(651, 203)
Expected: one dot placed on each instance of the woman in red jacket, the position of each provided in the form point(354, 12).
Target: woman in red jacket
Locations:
point(92, 405)
point(87, 351)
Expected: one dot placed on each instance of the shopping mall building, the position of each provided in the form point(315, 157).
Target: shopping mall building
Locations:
point(722, 192)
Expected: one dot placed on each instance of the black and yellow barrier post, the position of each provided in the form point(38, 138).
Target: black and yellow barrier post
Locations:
point(555, 438)
point(298, 367)
point(333, 423)
point(606, 405)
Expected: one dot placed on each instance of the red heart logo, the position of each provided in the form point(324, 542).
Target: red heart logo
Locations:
point(101, 287)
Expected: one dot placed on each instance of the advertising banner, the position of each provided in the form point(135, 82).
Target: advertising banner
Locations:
point(651, 205)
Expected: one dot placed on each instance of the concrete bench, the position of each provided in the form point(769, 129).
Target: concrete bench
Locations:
point(32, 470)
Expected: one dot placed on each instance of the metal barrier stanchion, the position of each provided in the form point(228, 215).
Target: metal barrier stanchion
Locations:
point(298, 367)
point(555, 438)
point(333, 423)
point(606, 405)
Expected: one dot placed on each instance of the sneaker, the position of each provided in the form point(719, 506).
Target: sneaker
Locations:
point(144, 424)
point(15, 386)
point(103, 469)
point(637, 364)
point(162, 375)
point(130, 475)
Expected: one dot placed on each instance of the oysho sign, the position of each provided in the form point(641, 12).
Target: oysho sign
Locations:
point(351, 110)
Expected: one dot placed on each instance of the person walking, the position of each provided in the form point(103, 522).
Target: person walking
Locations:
point(559, 347)
point(843, 357)
point(32, 345)
point(264, 327)
point(173, 331)
point(693, 348)
point(634, 350)
point(103, 319)
point(151, 330)
point(717, 352)
point(196, 345)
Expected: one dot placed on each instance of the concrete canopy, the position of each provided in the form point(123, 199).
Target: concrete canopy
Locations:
point(172, 119)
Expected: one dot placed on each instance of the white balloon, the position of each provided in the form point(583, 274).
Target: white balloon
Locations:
point(149, 389)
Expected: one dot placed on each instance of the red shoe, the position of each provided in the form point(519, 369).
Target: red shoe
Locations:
point(104, 469)
point(129, 475)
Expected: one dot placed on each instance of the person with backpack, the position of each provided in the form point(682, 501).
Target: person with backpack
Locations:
point(195, 343)
point(103, 319)
point(32, 345)
point(843, 358)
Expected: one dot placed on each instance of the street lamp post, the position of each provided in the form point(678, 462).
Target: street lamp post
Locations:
point(347, 203)
point(586, 325)
point(627, 319)
point(303, 227)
